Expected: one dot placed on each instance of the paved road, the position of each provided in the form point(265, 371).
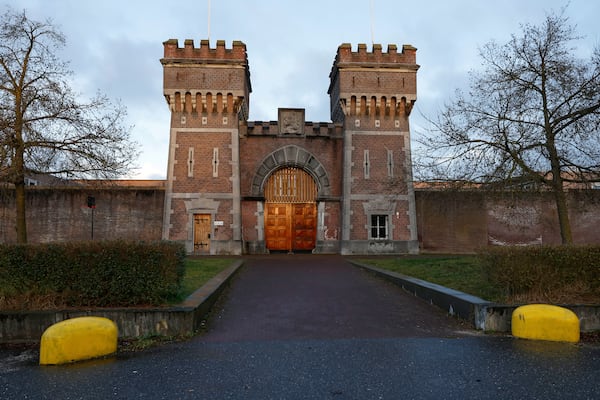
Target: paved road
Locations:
point(286, 297)
point(287, 330)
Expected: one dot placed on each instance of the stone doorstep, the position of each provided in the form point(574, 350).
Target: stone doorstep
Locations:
point(18, 327)
point(482, 314)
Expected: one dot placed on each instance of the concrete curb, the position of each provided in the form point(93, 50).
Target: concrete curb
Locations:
point(482, 314)
point(187, 317)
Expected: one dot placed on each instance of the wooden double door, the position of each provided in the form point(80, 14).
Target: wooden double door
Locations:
point(290, 226)
point(290, 210)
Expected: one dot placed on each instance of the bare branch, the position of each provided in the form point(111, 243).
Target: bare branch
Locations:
point(531, 115)
point(44, 125)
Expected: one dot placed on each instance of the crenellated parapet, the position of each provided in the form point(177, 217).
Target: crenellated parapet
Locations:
point(373, 84)
point(206, 80)
point(377, 57)
point(311, 129)
point(204, 53)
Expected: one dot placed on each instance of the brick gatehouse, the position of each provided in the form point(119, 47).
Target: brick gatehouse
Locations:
point(240, 187)
point(236, 186)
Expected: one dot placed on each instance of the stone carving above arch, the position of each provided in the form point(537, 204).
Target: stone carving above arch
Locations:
point(291, 156)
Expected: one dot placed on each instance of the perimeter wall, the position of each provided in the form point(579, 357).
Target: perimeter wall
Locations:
point(63, 215)
point(447, 221)
point(463, 221)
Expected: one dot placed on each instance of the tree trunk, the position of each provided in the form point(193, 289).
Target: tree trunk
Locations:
point(20, 211)
point(562, 210)
point(557, 184)
point(19, 179)
point(19, 182)
point(19, 168)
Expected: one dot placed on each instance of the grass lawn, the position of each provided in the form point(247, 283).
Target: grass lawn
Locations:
point(462, 273)
point(198, 271)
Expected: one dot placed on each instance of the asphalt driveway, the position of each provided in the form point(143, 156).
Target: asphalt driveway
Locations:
point(284, 297)
point(315, 327)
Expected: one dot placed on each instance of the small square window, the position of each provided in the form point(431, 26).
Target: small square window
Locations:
point(379, 227)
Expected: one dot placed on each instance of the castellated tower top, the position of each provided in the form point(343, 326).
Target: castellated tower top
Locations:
point(205, 80)
point(189, 53)
point(345, 54)
point(373, 84)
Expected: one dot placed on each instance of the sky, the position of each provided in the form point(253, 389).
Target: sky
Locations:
point(114, 46)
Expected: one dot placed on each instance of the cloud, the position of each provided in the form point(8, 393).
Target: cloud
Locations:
point(115, 46)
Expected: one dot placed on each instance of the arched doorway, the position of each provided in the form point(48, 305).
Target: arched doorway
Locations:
point(290, 210)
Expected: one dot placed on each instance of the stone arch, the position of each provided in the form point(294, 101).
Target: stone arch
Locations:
point(291, 156)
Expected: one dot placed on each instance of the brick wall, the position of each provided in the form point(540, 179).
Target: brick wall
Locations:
point(379, 180)
point(59, 215)
point(254, 149)
point(250, 217)
point(451, 222)
point(400, 221)
point(179, 221)
point(447, 221)
point(359, 229)
point(202, 179)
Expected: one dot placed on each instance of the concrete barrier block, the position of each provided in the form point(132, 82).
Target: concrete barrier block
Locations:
point(545, 322)
point(78, 339)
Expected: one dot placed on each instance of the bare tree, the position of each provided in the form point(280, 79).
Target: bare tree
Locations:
point(44, 126)
point(531, 115)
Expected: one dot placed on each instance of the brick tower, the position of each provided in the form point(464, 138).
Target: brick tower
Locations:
point(207, 90)
point(372, 94)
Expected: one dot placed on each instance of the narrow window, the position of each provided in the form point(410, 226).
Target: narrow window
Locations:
point(379, 227)
point(215, 162)
point(367, 165)
point(390, 163)
point(190, 162)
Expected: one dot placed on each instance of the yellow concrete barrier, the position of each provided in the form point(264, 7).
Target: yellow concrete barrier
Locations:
point(545, 322)
point(78, 339)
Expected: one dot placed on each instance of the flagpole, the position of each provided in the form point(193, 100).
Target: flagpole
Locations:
point(209, 21)
point(371, 13)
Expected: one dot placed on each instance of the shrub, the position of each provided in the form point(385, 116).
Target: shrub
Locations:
point(543, 269)
point(107, 273)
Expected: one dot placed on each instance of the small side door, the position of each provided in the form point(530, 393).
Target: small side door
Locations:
point(202, 229)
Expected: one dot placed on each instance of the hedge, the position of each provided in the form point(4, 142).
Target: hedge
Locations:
point(542, 269)
point(100, 273)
